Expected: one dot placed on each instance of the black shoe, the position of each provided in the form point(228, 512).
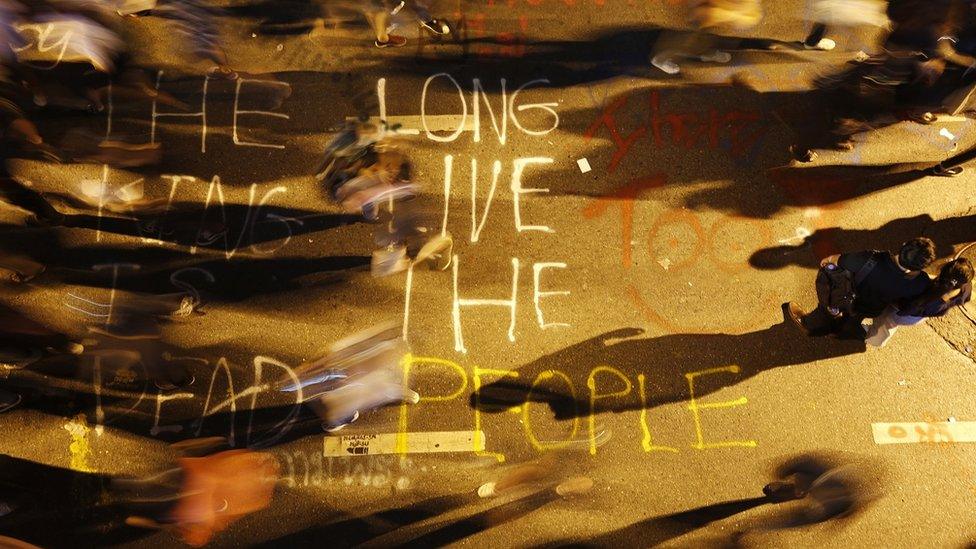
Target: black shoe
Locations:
point(942, 171)
point(792, 313)
point(9, 400)
point(779, 492)
point(50, 219)
point(21, 278)
point(166, 385)
point(802, 155)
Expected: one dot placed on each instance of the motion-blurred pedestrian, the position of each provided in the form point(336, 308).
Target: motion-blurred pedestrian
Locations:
point(708, 17)
point(358, 373)
point(134, 335)
point(203, 496)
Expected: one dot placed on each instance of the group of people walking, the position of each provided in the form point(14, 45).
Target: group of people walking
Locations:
point(923, 65)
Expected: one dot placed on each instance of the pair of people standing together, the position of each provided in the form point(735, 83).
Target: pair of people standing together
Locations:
point(891, 289)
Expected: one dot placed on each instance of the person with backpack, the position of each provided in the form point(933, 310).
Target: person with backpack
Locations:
point(855, 286)
point(952, 288)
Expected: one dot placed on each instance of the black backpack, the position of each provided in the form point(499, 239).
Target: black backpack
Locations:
point(837, 287)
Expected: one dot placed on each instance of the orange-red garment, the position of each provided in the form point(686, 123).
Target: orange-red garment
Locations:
point(220, 489)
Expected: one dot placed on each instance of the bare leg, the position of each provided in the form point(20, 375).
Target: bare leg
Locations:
point(696, 45)
point(380, 21)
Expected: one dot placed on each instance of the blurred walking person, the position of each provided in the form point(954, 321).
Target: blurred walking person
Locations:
point(827, 14)
point(202, 497)
point(357, 374)
point(379, 15)
point(709, 17)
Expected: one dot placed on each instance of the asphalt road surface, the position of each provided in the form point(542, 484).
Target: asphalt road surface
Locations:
point(661, 212)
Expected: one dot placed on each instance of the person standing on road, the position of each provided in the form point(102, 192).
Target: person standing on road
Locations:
point(709, 17)
point(952, 288)
point(874, 281)
point(378, 13)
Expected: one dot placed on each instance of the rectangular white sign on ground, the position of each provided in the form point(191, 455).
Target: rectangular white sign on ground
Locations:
point(924, 432)
point(417, 443)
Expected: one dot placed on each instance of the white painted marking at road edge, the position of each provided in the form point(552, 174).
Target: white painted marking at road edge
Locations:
point(924, 433)
point(417, 443)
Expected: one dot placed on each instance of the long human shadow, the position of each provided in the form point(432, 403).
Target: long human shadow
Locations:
point(946, 233)
point(657, 530)
point(834, 488)
point(131, 408)
point(663, 361)
point(354, 531)
point(217, 280)
point(275, 16)
point(223, 227)
point(56, 507)
point(734, 136)
point(455, 531)
point(808, 187)
point(609, 53)
point(263, 148)
point(744, 155)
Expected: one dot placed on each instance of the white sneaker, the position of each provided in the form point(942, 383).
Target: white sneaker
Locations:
point(574, 487)
point(665, 64)
point(439, 250)
point(717, 56)
point(825, 44)
point(333, 428)
point(486, 490)
point(389, 261)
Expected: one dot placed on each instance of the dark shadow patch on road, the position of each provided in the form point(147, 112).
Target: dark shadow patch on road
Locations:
point(458, 530)
point(664, 361)
point(357, 530)
point(946, 233)
point(657, 530)
point(56, 507)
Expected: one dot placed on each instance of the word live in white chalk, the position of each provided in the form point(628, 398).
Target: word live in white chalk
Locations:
point(584, 165)
point(923, 432)
point(416, 443)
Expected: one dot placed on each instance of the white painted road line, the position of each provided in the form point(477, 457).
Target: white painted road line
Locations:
point(924, 433)
point(417, 443)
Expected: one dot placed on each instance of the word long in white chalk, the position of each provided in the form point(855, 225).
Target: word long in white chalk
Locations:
point(417, 443)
